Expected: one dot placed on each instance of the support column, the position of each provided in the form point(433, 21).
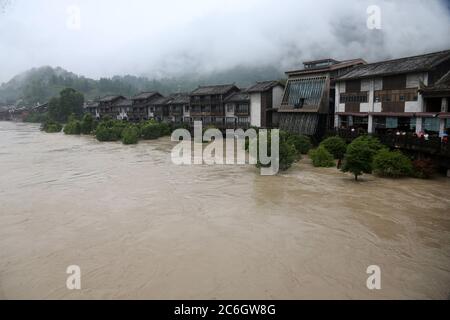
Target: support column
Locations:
point(444, 108)
point(444, 105)
point(419, 125)
point(370, 126)
point(337, 122)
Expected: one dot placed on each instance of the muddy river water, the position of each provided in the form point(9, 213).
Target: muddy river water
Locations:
point(140, 227)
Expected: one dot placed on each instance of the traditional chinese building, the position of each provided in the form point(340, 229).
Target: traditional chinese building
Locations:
point(307, 106)
point(178, 107)
point(237, 110)
point(437, 98)
point(207, 103)
point(108, 106)
point(140, 109)
point(403, 95)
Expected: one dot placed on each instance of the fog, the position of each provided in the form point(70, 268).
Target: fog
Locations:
point(173, 37)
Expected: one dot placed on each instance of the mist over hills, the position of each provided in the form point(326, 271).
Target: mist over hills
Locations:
point(38, 85)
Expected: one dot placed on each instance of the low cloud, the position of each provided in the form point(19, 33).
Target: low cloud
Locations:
point(173, 37)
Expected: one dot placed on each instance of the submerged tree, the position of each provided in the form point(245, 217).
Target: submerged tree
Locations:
point(69, 102)
point(359, 157)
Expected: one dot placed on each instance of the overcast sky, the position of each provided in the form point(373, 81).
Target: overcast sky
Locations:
point(168, 37)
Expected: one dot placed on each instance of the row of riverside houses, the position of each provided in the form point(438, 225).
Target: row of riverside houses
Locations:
point(403, 95)
point(223, 106)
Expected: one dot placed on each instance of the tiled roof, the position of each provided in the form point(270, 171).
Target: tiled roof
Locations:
point(110, 98)
point(213, 90)
point(179, 98)
point(263, 86)
point(145, 95)
point(238, 97)
point(404, 65)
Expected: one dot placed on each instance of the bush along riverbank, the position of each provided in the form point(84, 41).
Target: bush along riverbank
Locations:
point(365, 155)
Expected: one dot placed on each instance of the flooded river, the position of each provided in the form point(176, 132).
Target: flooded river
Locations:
point(140, 227)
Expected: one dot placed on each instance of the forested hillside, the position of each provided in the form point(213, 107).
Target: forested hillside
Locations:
point(41, 84)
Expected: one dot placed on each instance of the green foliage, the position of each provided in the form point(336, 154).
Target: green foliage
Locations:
point(130, 135)
point(336, 146)
point(302, 143)
point(359, 157)
point(373, 143)
point(165, 129)
point(110, 130)
point(423, 169)
point(69, 102)
point(51, 127)
point(35, 117)
point(175, 126)
point(87, 124)
point(392, 164)
point(73, 127)
point(151, 130)
point(287, 152)
point(321, 157)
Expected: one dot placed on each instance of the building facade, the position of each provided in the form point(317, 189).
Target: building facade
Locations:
point(386, 96)
point(307, 106)
point(265, 100)
point(237, 111)
point(207, 104)
point(140, 107)
point(109, 106)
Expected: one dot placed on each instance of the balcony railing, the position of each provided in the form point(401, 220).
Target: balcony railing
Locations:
point(408, 141)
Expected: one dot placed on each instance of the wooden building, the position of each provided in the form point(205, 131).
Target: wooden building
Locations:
point(265, 100)
point(207, 104)
point(140, 109)
point(92, 107)
point(402, 95)
point(437, 98)
point(159, 109)
point(178, 106)
point(307, 106)
point(108, 106)
point(237, 110)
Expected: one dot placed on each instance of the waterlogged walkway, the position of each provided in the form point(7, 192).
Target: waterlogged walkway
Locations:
point(141, 227)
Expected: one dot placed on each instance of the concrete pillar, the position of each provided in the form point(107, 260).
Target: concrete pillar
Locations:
point(350, 121)
point(419, 125)
point(444, 105)
point(441, 127)
point(448, 173)
point(370, 125)
point(337, 122)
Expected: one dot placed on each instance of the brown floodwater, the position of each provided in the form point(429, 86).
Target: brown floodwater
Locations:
point(140, 227)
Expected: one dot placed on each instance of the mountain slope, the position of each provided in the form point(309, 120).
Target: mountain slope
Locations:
point(38, 85)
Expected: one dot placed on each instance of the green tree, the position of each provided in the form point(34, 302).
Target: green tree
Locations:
point(302, 143)
point(359, 157)
point(69, 102)
point(87, 124)
point(392, 164)
point(51, 127)
point(321, 157)
point(336, 146)
point(130, 135)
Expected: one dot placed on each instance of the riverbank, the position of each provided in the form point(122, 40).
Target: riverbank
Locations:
point(141, 227)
